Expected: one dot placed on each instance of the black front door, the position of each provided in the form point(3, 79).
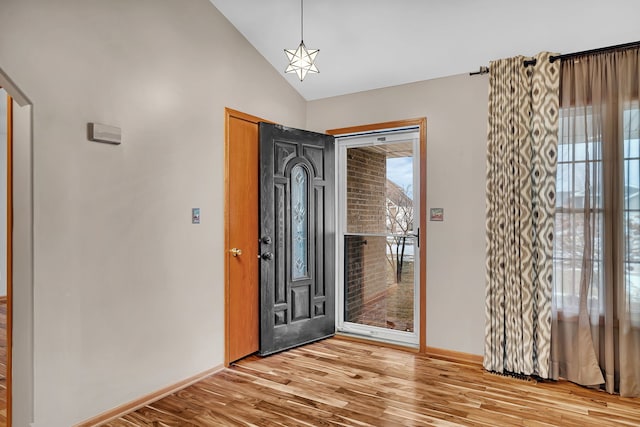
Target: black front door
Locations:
point(297, 231)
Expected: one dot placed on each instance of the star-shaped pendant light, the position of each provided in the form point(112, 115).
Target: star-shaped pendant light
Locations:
point(301, 59)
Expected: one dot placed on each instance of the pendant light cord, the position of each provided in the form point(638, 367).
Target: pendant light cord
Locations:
point(302, 20)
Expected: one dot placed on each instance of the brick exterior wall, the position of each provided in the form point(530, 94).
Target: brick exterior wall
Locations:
point(365, 262)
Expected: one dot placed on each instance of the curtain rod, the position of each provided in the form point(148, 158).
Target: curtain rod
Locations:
point(485, 69)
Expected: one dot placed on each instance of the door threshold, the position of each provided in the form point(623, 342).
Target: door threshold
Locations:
point(348, 336)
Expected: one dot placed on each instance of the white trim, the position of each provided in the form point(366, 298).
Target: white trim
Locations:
point(392, 336)
point(378, 132)
point(374, 138)
point(364, 139)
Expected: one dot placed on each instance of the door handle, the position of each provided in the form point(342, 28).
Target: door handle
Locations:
point(267, 256)
point(236, 252)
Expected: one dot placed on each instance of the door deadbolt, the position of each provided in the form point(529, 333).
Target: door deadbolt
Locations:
point(267, 256)
point(266, 240)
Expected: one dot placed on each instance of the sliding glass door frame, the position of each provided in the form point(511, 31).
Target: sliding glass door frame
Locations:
point(370, 139)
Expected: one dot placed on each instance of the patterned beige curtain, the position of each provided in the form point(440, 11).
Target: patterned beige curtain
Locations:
point(521, 168)
point(596, 322)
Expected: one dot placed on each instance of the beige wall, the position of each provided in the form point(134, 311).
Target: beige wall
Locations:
point(127, 293)
point(456, 111)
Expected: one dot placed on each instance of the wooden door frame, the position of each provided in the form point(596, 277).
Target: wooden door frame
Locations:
point(228, 114)
point(422, 125)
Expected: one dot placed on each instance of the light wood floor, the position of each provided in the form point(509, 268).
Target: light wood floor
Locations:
point(342, 383)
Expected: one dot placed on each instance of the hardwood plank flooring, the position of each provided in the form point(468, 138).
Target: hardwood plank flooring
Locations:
point(343, 383)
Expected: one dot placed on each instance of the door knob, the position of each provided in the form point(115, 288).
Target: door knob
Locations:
point(236, 252)
point(267, 256)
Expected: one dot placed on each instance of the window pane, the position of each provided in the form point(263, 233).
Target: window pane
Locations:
point(631, 130)
point(579, 187)
point(632, 119)
point(380, 188)
point(631, 148)
point(578, 220)
point(299, 222)
point(379, 281)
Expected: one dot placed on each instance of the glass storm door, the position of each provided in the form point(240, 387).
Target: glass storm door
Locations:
point(297, 240)
point(378, 220)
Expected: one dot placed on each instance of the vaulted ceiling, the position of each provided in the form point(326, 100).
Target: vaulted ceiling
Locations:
point(368, 44)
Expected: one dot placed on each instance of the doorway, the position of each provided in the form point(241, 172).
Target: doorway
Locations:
point(242, 324)
point(19, 253)
point(6, 143)
point(381, 232)
point(279, 236)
